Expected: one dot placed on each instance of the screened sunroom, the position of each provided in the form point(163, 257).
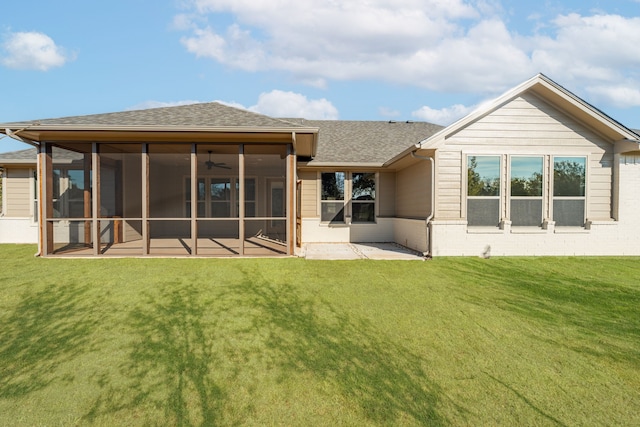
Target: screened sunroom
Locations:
point(200, 180)
point(168, 199)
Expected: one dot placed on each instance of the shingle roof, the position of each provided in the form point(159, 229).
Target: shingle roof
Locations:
point(212, 114)
point(23, 156)
point(345, 141)
point(339, 141)
point(30, 156)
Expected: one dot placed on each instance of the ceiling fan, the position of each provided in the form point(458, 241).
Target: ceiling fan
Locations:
point(210, 164)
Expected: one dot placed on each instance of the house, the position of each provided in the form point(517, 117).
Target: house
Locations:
point(536, 172)
point(19, 203)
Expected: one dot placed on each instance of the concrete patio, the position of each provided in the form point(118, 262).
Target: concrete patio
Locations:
point(348, 251)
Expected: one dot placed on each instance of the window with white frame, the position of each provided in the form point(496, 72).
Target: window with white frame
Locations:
point(569, 195)
point(363, 197)
point(483, 190)
point(526, 191)
point(332, 197)
point(220, 197)
point(217, 200)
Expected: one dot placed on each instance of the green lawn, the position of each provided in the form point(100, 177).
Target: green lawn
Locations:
point(503, 341)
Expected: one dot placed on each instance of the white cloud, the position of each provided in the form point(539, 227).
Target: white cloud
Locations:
point(620, 96)
point(32, 51)
point(276, 103)
point(440, 45)
point(332, 40)
point(388, 112)
point(598, 53)
point(444, 116)
point(279, 103)
point(182, 22)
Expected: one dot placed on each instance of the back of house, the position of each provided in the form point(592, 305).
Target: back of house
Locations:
point(538, 171)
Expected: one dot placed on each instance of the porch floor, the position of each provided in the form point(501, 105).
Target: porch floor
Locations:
point(177, 247)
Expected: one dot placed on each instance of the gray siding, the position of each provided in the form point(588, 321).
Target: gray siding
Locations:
point(386, 194)
point(449, 184)
point(527, 125)
point(413, 191)
point(309, 193)
point(19, 197)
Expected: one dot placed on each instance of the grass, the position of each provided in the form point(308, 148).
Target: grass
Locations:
point(190, 342)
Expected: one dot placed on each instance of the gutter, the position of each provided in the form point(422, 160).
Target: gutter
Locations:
point(162, 128)
point(343, 165)
point(433, 201)
point(14, 135)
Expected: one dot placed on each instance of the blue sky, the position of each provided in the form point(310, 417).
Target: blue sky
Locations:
point(432, 60)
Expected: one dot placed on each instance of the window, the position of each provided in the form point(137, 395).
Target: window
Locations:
point(249, 197)
point(219, 200)
point(201, 198)
point(68, 193)
point(332, 197)
point(483, 190)
point(220, 197)
point(363, 196)
point(526, 191)
point(569, 177)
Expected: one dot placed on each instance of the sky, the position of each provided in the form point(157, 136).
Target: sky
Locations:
point(420, 60)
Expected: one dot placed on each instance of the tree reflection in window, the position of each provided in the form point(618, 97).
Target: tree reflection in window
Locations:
point(332, 197)
point(569, 176)
point(363, 196)
point(483, 175)
point(526, 191)
point(569, 181)
point(483, 191)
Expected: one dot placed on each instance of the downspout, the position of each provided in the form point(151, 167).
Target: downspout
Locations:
point(433, 201)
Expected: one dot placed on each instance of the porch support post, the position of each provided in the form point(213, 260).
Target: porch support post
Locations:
point(241, 204)
point(46, 198)
point(145, 198)
point(291, 194)
point(86, 194)
point(40, 199)
point(95, 169)
point(194, 199)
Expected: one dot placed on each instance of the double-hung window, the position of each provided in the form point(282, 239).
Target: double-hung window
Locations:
point(217, 200)
point(220, 197)
point(332, 197)
point(483, 190)
point(363, 197)
point(569, 196)
point(355, 190)
point(526, 191)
